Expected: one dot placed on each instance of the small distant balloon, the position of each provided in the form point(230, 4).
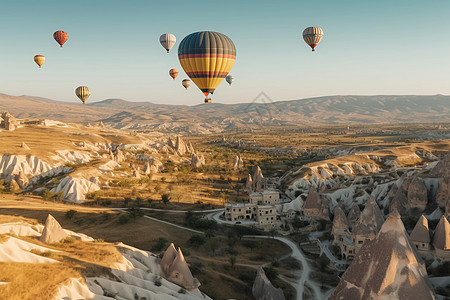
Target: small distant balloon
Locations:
point(83, 93)
point(167, 40)
point(173, 73)
point(186, 83)
point(229, 79)
point(39, 59)
point(61, 37)
point(312, 36)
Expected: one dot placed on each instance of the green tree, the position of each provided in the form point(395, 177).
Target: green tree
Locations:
point(165, 198)
point(197, 240)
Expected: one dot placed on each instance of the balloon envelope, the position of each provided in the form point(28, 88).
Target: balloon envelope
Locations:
point(39, 59)
point(83, 93)
point(312, 36)
point(186, 83)
point(207, 57)
point(61, 37)
point(167, 40)
point(173, 73)
point(229, 79)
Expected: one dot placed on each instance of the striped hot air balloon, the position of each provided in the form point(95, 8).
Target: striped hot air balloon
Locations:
point(207, 57)
point(61, 37)
point(312, 36)
point(229, 79)
point(83, 93)
point(167, 40)
point(186, 83)
point(173, 73)
point(39, 59)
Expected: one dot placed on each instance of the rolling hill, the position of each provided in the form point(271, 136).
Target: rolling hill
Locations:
point(217, 117)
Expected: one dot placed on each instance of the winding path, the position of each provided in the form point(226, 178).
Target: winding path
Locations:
point(306, 270)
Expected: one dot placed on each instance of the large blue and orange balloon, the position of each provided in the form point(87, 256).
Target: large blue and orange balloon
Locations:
point(312, 36)
point(207, 57)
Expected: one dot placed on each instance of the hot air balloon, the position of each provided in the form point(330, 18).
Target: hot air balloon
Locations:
point(186, 83)
point(312, 36)
point(207, 57)
point(83, 93)
point(167, 40)
point(173, 73)
point(61, 37)
point(39, 59)
point(229, 79)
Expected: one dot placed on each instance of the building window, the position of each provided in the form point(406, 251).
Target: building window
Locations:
point(360, 242)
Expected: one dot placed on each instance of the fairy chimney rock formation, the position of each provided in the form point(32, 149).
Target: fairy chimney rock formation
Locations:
point(340, 224)
point(368, 225)
point(443, 193)
point(353, 215)
point(313, 206)
point(420, 235)
point(264, 290)
point(9, 122)
point(197, 160)
point(24, 146)
point(22, 180)
point(442, 168)
point(257, 181)
point(441, 238)
point(175, 269)
point(118, 156)
point(386, 267)
point(238, 163)
point(417, 194)
point(52, 232)
point(249, 184)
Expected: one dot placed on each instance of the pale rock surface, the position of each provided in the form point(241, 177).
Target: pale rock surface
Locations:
point(136, 173)
point(72, 156)
point(263, 289)
point(118, 156)
point(174, 268)
point(21, 229)
point(17, 250)
point(238, 163)
point(386, 267)
point(75, 189)
point(24, 146)
point(22, 180)
point(197, 160)
point(52, 232)
point(12, 165)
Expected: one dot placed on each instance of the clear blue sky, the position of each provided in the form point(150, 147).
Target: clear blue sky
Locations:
point(369, 47)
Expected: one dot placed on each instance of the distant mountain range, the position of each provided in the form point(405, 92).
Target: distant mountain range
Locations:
point(217, 117)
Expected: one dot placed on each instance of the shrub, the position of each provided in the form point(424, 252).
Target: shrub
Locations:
point(70, 213)
point(165, 198)
point(271, 273)
point(196, 240)
point(160, 244)
point(123, 219)
point(47, 195)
